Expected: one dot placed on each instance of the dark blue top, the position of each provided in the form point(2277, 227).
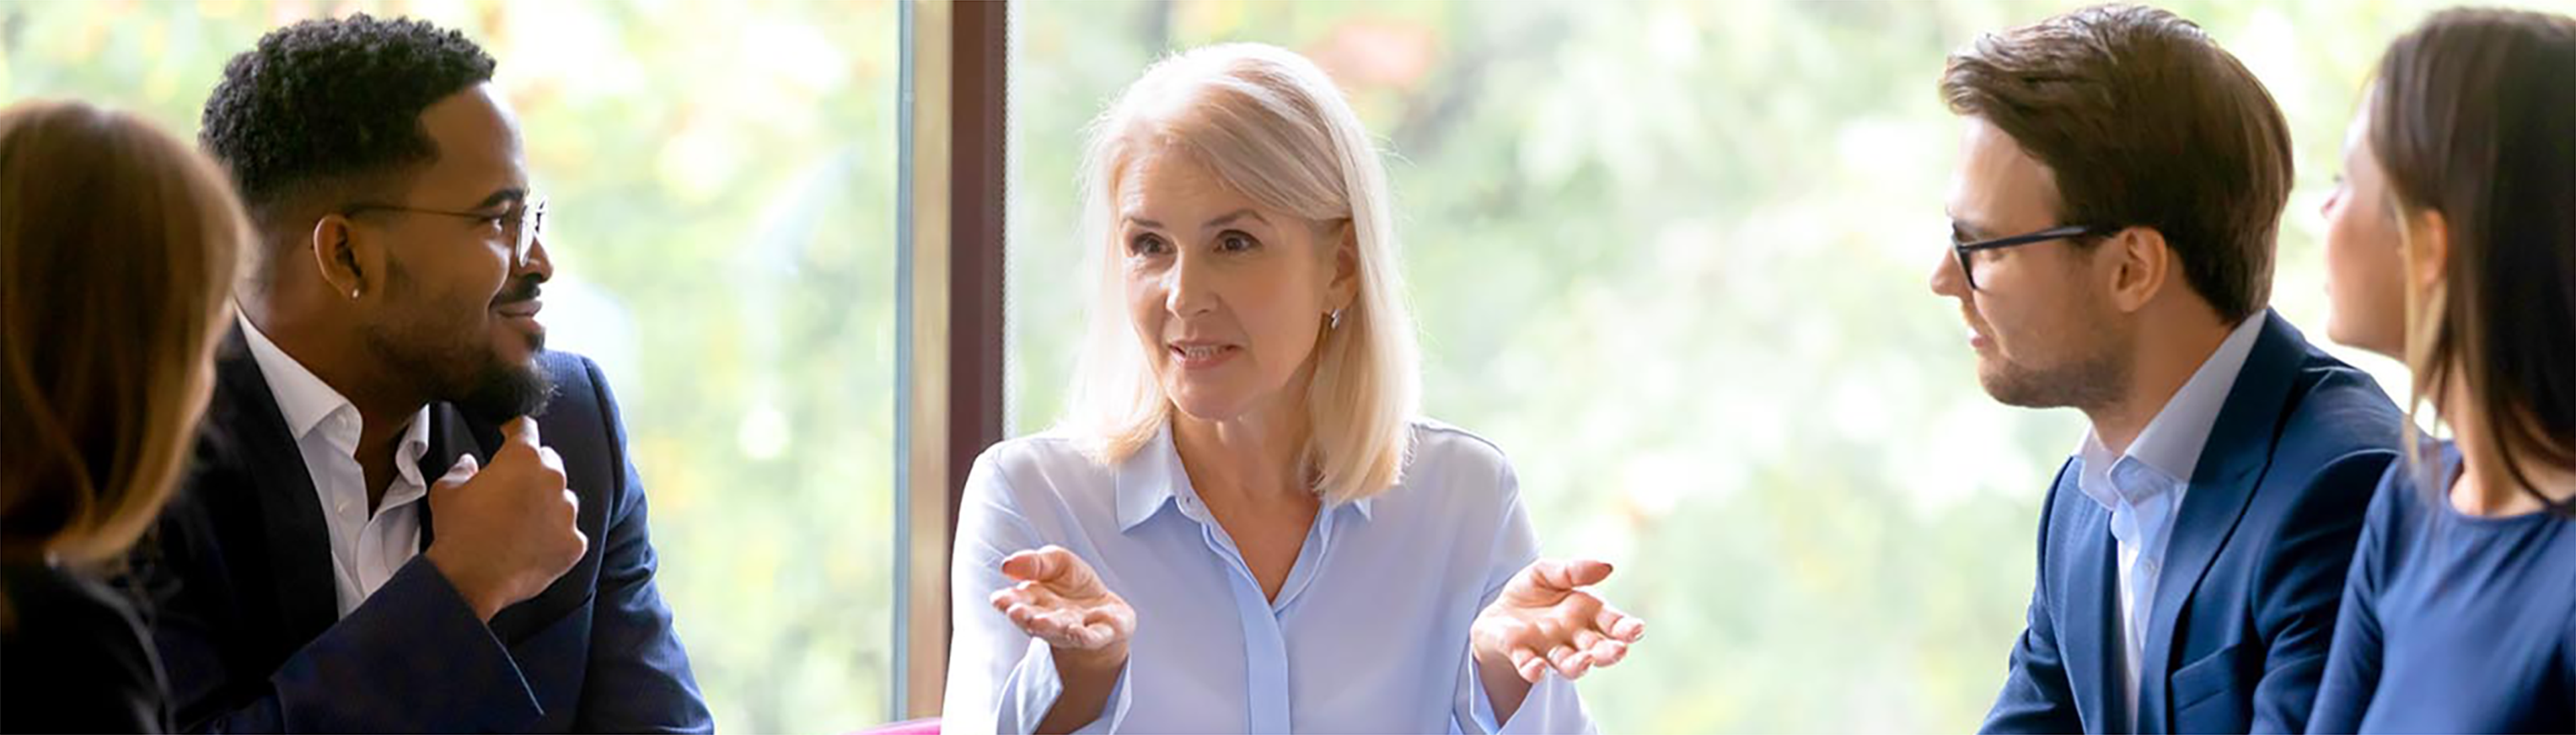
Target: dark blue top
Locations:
point(2453, 622)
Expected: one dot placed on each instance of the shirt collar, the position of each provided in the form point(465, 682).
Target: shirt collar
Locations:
point(305, 401)
point(415, 444)
point(302, 398)
point(1145, 480)
point(1153, 479)
point(2172, 442)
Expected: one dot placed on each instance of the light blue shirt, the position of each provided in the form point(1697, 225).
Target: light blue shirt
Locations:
point(1368, 634)
point(2145, 485)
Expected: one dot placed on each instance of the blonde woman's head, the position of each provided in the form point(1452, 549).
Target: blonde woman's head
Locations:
point(1236, 221)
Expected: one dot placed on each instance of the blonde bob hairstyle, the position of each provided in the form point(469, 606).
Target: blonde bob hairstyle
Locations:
point(118, 248)
point(1270, 125)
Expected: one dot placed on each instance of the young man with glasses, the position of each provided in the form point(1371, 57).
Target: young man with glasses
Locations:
point(406, 515)
point(2120, 183)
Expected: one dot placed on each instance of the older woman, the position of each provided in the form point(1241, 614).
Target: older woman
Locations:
point(1243, 526)
point(117, 252)
point(2449, 245)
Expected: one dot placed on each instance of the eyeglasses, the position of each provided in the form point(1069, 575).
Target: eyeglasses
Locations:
point(524, 223)
point(1963, 249)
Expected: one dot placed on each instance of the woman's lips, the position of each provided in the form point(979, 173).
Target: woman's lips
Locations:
point(1201, 356)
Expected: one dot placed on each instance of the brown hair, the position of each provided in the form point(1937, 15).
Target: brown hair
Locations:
point(118, 246)
point(2474, 117)
point(2147, 123)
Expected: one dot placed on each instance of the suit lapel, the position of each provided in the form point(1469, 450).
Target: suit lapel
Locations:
point(450, 437)
point(2092, 652)
point(2231, 465)
point(264, 459)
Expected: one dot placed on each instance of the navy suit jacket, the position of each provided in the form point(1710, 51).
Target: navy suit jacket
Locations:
point(237, 582)
point(2244, 608)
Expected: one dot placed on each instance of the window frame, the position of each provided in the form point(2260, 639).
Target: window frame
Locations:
point(949, 318)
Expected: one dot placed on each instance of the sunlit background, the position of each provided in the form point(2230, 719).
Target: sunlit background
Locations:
point(1670, 255)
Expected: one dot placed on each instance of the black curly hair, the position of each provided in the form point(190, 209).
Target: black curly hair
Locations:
point(327, 108)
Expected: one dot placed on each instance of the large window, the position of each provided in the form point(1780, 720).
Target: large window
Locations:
point(722, 177)
point(1672, 256)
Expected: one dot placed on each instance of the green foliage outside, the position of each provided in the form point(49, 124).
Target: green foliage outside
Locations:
point(1670, 254)
point(722, 179)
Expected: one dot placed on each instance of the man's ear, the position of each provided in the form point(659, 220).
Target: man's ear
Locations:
point(348, 261)
point(2141, 263)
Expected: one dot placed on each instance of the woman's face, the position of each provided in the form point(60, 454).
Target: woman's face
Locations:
point(1228, 298)
point(2365, 270)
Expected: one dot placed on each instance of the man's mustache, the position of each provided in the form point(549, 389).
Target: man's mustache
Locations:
point(528, 288)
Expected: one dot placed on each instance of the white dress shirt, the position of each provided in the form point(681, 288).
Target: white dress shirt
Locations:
point(366, 548)
point(2144, 486)
point(1368, 634)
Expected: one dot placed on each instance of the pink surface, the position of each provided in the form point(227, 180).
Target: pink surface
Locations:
point(923, 726)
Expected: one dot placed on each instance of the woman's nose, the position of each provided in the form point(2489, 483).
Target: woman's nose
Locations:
point(1186, 288)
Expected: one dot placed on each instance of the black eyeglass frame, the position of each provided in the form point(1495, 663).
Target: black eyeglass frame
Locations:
point(1961, 250)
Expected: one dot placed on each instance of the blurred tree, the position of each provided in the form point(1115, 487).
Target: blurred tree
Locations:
point(723, 184)
point(1669, 253)
point(1672, 254)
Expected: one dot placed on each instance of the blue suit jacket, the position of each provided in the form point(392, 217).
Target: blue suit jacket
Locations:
point(2244, 608)
point(236, 581)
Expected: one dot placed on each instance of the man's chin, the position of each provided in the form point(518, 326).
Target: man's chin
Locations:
point(2086, 384)
point(508, 390)
point(2010, 385)
point(513, 345)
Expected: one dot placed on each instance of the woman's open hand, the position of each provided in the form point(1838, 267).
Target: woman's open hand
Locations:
point(1060, 600)
point(1546, 618)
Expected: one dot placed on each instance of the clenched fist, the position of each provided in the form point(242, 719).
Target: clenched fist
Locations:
point(506, 531)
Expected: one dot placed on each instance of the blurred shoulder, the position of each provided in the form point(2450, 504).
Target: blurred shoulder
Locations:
point(77, 652)
point(2341, 410)
point(575, 377)
point(1442, 447)
point(50, 605)
point(2406, 493)
point(1051, 462)
point(1455, 465)
point(580, 416)
point(1048, 449)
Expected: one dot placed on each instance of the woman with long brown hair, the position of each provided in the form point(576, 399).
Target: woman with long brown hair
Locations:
point(118, 247)
point(2451, 244)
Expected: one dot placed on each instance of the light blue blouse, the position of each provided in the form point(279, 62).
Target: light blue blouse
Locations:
point(1369, 633)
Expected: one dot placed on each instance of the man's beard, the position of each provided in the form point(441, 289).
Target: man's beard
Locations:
point(2100, 377)
point(2097, 380)
point(453, 361)
point(501, 391)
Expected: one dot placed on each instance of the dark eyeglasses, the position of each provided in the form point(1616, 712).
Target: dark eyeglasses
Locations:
point(524, 223)
point(1963, 249)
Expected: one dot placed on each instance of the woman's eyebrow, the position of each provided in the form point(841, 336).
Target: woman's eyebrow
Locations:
point(1230, 217)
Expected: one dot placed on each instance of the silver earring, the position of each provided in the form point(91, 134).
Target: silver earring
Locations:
point(1335, 319)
